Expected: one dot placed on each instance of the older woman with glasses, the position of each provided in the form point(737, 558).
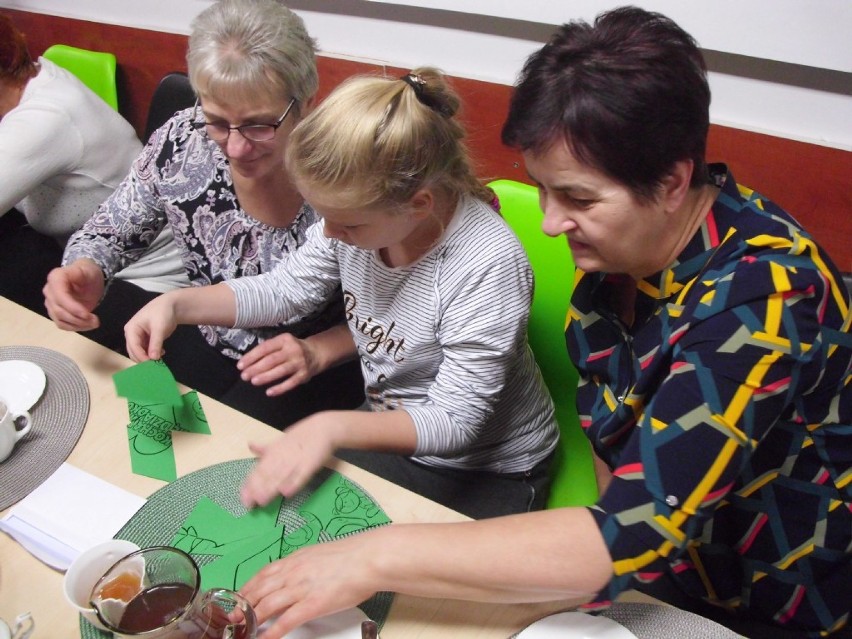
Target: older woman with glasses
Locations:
point(215, 175)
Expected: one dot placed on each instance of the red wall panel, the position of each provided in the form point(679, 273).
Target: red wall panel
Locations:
point(811, 181)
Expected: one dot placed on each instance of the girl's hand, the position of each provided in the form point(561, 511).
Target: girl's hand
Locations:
point(283, 357)
point(148, 329)
point(290, 460)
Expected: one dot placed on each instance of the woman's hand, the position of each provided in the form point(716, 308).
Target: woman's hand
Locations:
point(312, 582)
point(290, 460)
point(148, 329)
point(71, 294)
point(282, 357)
point(467, 560)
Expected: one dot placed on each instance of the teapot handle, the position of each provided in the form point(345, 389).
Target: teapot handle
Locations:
point(226, 601)
point(24, 626)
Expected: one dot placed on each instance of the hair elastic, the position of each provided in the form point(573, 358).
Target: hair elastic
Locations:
point(419, 85)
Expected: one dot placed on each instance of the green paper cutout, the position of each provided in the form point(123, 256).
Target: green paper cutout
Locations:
point(155, 421)
point(151, 390)
point(148, 382)
point(209, 529)
point(245, 559)
point(342, 507)
point(190, 417)
point(264, 515)
point(151, 453)
point(304, 536)
point(242, 560)
point(244, 545)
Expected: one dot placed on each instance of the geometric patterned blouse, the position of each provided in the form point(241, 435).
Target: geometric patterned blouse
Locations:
point(725, 413)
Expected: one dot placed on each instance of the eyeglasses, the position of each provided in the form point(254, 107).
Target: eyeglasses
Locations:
point(219, 132)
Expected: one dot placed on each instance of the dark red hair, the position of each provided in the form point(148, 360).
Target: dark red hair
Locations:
point(16, 65)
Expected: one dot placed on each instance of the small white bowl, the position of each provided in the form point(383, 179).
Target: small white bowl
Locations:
point(86, 569)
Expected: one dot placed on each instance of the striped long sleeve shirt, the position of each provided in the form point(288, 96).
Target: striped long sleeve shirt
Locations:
point(444, 338)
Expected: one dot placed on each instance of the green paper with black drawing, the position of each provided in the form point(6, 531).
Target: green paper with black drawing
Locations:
point(156, 408)
point(243, 545)
point(165, 516)
point(148, 382)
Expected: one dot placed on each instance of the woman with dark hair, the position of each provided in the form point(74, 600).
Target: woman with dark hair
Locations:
point(720, 400)
point(712, 338)
point(64, 151)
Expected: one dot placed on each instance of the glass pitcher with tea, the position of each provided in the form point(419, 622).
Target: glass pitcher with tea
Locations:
point(155, 593)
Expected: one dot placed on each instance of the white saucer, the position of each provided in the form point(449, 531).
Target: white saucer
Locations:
point(21, 383)
point(575, 625)
point(345, 624)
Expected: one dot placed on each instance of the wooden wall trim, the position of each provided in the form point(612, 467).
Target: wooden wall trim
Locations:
point(812, 182)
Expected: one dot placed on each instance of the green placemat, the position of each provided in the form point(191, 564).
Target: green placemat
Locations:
point(162, 516)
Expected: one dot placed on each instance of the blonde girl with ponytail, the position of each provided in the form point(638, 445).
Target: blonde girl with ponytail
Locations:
point(436, 293)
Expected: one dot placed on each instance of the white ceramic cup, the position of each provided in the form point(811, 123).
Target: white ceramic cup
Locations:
point(85, 571)
point(9, 433)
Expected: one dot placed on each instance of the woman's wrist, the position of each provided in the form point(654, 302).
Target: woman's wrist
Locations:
point(89, 267)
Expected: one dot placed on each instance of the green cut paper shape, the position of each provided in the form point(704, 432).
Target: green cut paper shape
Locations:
point(148, 382)
point(151, 455)
point(244, 545)
point(242, 560)
point(234, 569)
point(211, 530)
point(152, 420)
point(187, 417)
point(190, 417)
point(342, 507)
point(303, 536)
point(149, 434)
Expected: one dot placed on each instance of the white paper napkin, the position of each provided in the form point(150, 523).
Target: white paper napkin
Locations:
point(69, 513)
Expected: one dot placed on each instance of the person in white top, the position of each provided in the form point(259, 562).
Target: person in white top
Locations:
point(437, 291)
point(63, 151)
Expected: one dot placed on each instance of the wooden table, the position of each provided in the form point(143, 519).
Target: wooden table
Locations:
point(26, 584)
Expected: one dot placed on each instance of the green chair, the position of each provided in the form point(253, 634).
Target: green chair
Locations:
point(574, 481)
point(95, 69)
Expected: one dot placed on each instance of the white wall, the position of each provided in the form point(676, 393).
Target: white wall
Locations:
point(782, 67)
point(797, 31)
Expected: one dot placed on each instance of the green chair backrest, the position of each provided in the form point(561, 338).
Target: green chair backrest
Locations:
point(95, 69)
point(573, 473)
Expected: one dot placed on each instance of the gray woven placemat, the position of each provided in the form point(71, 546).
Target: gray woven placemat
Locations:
point(157, 522)
point(655, 621)
point(58, 420)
